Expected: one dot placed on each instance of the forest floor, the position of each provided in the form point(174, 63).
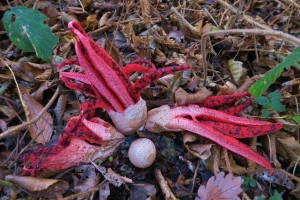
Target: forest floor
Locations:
point(229, 45)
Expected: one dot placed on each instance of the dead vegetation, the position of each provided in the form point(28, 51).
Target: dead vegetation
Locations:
point(228, 44)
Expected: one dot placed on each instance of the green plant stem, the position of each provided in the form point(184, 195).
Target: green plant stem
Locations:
point(8, 184)
point(8, 4)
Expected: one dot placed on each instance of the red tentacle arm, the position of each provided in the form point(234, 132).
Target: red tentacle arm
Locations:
point(238, 109)
point(194, 118)
point(216, 101)
point(71, 61)
point(237, 131)
point(225, 141)
point(147, 79)
point(102, 77)
point(80, 142)
point(115, 67)
point(137, 66)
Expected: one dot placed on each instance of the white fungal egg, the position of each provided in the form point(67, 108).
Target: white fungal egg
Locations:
point(142, 153)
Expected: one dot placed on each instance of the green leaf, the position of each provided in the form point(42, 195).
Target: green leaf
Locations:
point(264, 101)
point(296, 65)
point(275, 101)
point(110, 158)
point(264, 83)
point(27, 31)
point(296, 119)
point(252, 182)
point(276, 196)
point(265, 113)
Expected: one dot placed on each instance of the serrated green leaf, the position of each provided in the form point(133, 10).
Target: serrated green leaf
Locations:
point(264, 101)
point(276, 105)
point(265, 113)
point(276, 196)
point(26, 29)
point(296, 119)
point(252, 182)
point(275, 96)
point(264, 83)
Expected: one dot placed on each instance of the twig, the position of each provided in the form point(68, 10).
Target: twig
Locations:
point(15, 80)
point(184, 23)
point(288, 38)
point(163, 184)
point(294, 3)
point(227, 161)
point(23, 126)
point(80, 194)
point(245, 16)
point(289, 175)
point(195, 175)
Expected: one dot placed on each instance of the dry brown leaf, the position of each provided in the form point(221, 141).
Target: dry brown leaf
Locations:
point(60, 108)
point(142, 191)
point(220, 187)
point(89, 179)
point(7, 111)
point(104, 191)
point(104, 19)
point(41, 130)
point(145, 7)
point(202, 151)
point(291, 146)
point(227, 88)
point(296, 191)
point(236, 69)
point(112, 177)
point(184, 98)
point(44, 75)
point(38, 94)
point(163, 184)
point(39, 187)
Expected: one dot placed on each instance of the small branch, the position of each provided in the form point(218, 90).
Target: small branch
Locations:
point(245, 16)
point(184, 23)
point(288, 38)
point(23, 126)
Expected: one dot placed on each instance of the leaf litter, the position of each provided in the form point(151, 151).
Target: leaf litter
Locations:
point(167, 34)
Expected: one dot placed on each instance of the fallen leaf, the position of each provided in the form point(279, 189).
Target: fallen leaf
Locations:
point(89, 178)
point(221, 187)
point(104, 191)
point(39, 187)
point(142, 191)
point(291, 146)
point(236, 69)
point(163, 184)
point(112, 177)
point(41, 130)
point(202, 151)
point(145, 7)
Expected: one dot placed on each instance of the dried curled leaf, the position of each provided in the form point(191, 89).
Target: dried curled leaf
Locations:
point(39, 187)
point(40, 131)
point(221, 187)
point(184, 98)
point(236, 69)
point(290, 146)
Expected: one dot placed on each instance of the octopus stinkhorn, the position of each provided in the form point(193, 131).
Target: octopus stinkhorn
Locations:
point(104, 79)
point(220, 126)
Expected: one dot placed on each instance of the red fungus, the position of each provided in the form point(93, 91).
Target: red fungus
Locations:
point(218, 126)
